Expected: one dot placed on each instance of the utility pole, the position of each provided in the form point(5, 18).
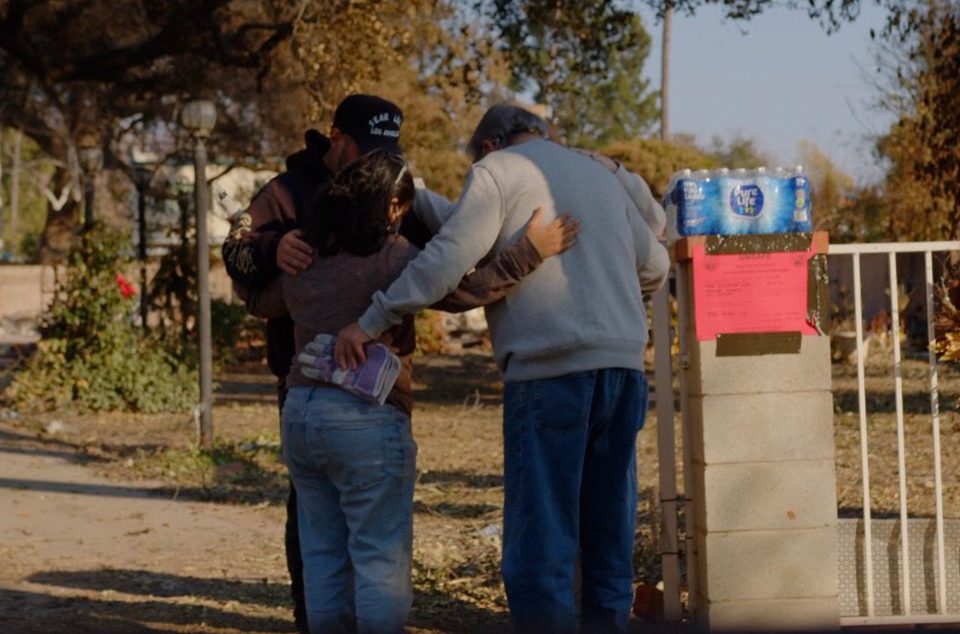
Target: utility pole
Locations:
point(550, 93)
point(665, 71)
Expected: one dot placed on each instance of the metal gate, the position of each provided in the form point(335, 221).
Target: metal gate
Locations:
point(915, 577)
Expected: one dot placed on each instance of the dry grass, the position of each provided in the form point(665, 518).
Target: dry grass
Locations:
point(459, 495)
point(882, 440)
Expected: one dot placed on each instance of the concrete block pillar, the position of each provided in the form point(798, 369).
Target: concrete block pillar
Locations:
point(764, 498)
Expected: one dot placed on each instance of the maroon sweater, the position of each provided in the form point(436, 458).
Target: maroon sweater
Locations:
point(335, 291)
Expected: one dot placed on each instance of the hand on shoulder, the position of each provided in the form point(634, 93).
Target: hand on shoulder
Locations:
point(293, 254)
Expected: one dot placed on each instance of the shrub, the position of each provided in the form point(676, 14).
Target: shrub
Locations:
point(228, 324)
point(92, 356)
point(947, 321)
point(431, 338)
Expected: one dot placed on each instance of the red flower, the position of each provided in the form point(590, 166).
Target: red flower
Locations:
point(127, 289)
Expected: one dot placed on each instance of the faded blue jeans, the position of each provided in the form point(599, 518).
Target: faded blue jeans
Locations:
point(570, 480)
point(353, 464)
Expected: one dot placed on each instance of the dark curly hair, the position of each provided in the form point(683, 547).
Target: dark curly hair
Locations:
point(350, 212)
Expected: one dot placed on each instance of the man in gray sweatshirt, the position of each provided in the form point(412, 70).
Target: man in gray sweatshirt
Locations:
point(569, 341)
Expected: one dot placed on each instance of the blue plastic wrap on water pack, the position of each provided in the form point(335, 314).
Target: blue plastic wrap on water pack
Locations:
point(733, 202)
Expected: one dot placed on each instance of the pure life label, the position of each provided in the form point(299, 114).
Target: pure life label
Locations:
point(746, 201)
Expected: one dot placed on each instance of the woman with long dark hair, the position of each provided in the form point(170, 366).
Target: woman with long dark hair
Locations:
point(352, 460)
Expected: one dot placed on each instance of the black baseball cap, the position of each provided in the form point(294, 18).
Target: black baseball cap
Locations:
point(372, 122)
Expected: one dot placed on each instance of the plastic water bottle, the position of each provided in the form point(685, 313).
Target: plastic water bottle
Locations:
point(741, 201)
point(802, 208)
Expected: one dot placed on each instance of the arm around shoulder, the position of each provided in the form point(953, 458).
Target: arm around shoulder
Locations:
point(492, 281)
point(466, 237)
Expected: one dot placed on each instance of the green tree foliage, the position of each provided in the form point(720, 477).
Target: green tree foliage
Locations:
point(831, 184)
point(76, 66)
point(584, 61)
point(864, 217)
point(449, 72)
point(614, 101)
point(118, 71)
point(923, 145)
point(834, 205)
point(92, 356)
point(830, 13)
point(339, 47)
point(36, 169)
point(426, 55)
point(108, 70)
point(737, 152)
point(922, 187)
point(849, 213)
point(947, 322)
point(656, 160)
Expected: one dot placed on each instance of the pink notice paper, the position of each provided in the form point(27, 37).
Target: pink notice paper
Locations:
point(750, 292)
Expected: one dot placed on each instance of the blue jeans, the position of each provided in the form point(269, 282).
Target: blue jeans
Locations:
point(570, 480)
point(353, 464)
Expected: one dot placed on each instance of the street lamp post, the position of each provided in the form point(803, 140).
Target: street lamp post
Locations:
point(199, 117)
point(141, 178)
point(91, 159)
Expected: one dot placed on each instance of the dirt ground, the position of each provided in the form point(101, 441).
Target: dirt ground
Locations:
point(882, 437)
point(115, 523)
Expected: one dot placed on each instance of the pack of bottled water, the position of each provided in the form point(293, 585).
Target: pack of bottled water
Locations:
point(732, 202)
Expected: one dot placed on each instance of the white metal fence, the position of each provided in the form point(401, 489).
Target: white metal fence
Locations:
point(908, 612)
point(936, 558)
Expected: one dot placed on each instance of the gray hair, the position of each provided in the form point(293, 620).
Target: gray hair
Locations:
point(501, 122)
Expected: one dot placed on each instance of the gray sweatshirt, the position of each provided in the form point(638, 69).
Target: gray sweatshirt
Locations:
point(579, 311)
